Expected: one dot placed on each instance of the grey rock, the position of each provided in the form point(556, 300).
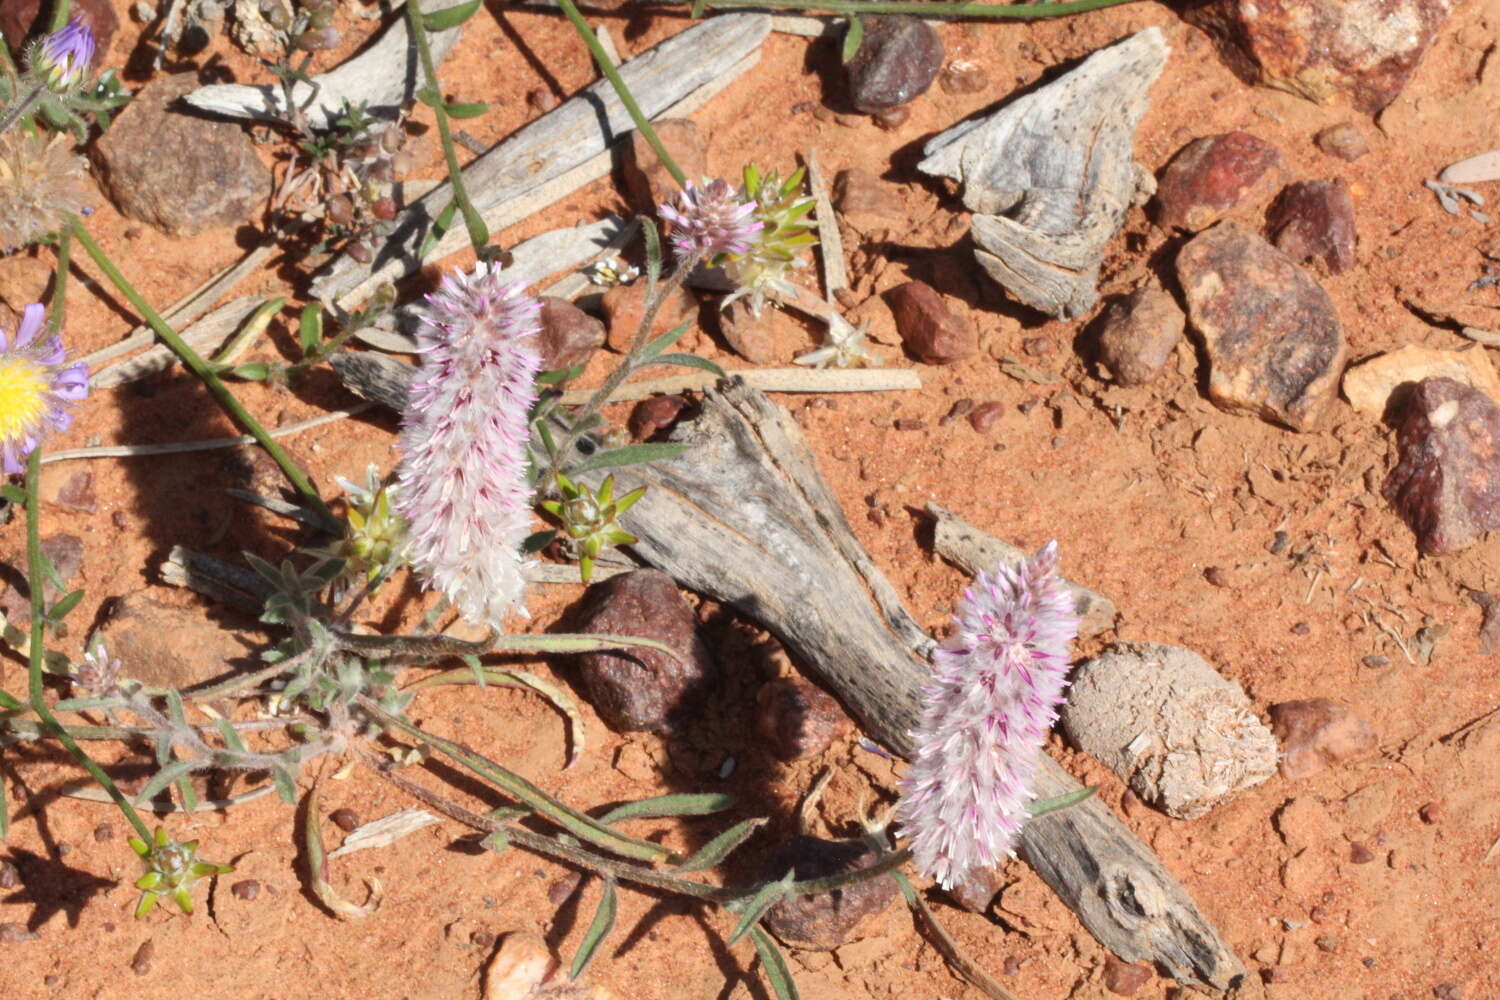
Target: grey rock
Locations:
point(1138, 334)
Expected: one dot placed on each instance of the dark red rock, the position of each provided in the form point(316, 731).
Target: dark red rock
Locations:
point(1274, 344)
point(797, 718)
point(1123, 978)
point(897, 61)
point(1138, 334)
point(890, 119)
point(1343, 141)
point(977, 888)
point(653, 414)
point(1360, 854)
point(1363, 51)
point(569, 335)
point(624, 308)
point(345, 819)
point(1447, 485)
point(647, 180)
point(931, 332)
point(643, 689)
point(985, 416)
point(825, 919)
point(1316, 733)
point(1312, 222)
point(22, 20)
point(1212, 176)
point(211, 178)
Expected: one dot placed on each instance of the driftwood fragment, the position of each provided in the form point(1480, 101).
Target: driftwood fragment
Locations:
point(1049, 176)
point(745, 517)
point(384, 78)
point(972, 550)
point(205, 336)
point(560, 151)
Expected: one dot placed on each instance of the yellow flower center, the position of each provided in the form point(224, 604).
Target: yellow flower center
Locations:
point(23, 395)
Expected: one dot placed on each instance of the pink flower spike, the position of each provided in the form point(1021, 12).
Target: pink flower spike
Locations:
point(995, 690)
point(712, 219)
point(463, 487)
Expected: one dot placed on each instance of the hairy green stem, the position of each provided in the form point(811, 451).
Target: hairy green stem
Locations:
point(60, 11)
point(479, 234)
point(200, 368)
point(22, 108)
point(607, 67)
point(60, 284)
point(36, 580)
point(1005, 12)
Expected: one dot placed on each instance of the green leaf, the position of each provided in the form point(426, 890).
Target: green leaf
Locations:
point(653, 255)
point(310, 328)
point(666, 340)
point(164, 777)
point(853, 37)
point(771, 960)
point(557, 375)
point(188, 795)
point(255, 371)
point(449, 17)
point(466, 110)
point(720, 847)
point(60, 610)
point(604, 920)
point(474, 673)
point(285, 786)
point(231, 738)
point(689, 361)
point(440, 227)
point(675, 804)
point(576, 642)
point(630, 454)
point(9, 703)
point(1043, 806)
point(768, 896)
point(537, 541)
point(697, 11)
point(14, 494)
point(479, 233)
point(429, 96)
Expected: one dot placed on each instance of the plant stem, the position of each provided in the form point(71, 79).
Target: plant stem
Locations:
point(60, 12)
point(607, 67)
point(22, 108)
point(199, 367)
point(1004, 12)
point(60, 286)
point(36, 579)
point(479, 233)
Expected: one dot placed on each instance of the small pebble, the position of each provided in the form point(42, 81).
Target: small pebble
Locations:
point(141, 963)
point(1367, 962)
point(1343, 141)
point(985, 416)
point(960, 408)
point(1301, 628)
point(541, 100)
point(103, 833)
point(801, 107)
point(891, 119)
point(1328, 944)
point(482, 939)
point(962, 77)
point(876, 517)
point(10, 876)
point(1447, 991)
point(51, 981)
point(1375, 662)
point(16, 933)
point(909, 424)
point(245, 889)
point(1431, 813)
point(1278, 543)
point(1011, 966)
point(1216, 576)
point(561, 888)
point(1359, 854)
point(345, 819)
point(1037, 347)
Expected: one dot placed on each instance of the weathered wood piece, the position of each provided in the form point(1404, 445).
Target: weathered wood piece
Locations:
point(205, 336)
point(972, 550)
point(560, 151)
point(1050, 177)
point(384, 77)
point(745, 517)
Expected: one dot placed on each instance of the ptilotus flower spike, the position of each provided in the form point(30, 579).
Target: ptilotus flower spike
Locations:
point(62, 59)
point(36, 389)
point(589, 518)
point(172, 869)
point(462, 483)
point(41, 182)
point(782, 209)
point(996, 686)
point(711, 220)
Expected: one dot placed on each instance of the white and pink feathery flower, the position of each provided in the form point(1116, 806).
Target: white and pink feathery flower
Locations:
point(996, 686)
point(711, 218)
point(463, 486)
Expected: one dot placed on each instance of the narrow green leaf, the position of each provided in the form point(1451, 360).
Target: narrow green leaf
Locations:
point(697, 11)
point(558, 375)
point(164, 777)
point(666, 340)
point(674, 804)
point(771, 960)
point(429, 96)
point(440, 227)
point(604, 920)
point(75, 704)
point(537, 541)
point(630, 454)
point(4, 810)
point(716, 850)
point(479, 233)
point(689, 361)
point(853, 37)
point(768, 896)
point(310, 328)
point(188, 794)
point(467, 110)
point(449, 17)
point(317, 868)
point(231, 738)
point(476, 674)
point(285, 786)
point(574, 642)
point(60, 610)
point(653, 255)
point(9, 703)
point(1042, 807)
point(255, 371)
point(14, 494)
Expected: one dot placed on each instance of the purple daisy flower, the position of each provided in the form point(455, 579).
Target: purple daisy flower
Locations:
point(462, 480)
point(64, 56)
point(36, 389)
point(995, 690)
point(712, 219)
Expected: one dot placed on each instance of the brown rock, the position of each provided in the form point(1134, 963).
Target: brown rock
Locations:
point(643, 689)
point(797, 718)
point(1316, 733)
point(569, 335)
point(961, 77)
point(1431, 813)
point(861, 195)
point(1138, 334)
point(890, 119)
point(69, 488)
point(653, 414)
point(1370, 384)
point(897, 61)
point(1362, 51)
point(1312, 222)
point(750, 336)
point(1447, 484)
point(211, 178)
point(541, 100)
point(825, 919)
point(647, 181)
point(21, 20)
point(1212, 176)
point(985, 416)
point(165, 646)
point(1343, 141)
point(1123, 978)
point(977, 888)
point(930, 332)
point(1274, 344)
point(624, 308)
